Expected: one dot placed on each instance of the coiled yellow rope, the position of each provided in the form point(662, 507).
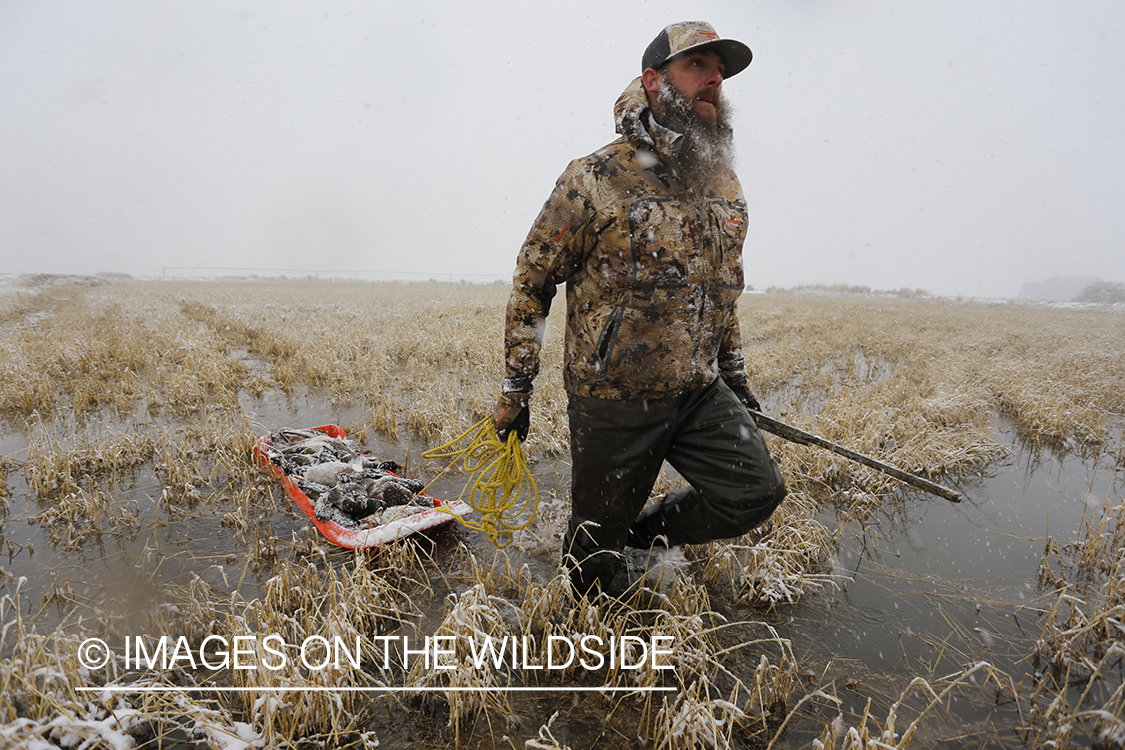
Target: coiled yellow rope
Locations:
point(498, 478)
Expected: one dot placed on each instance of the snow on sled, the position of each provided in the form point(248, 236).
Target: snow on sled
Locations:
point(352, 499)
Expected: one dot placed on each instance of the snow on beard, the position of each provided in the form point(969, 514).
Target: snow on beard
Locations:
point(706, 150)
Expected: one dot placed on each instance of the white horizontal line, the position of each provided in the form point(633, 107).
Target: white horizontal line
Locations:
point(274, 689)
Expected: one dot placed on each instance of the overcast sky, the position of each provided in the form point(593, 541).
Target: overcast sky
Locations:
point(962, 147)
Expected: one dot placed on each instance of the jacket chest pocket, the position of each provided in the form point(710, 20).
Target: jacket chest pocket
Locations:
point(728, 224)
point(659, 238)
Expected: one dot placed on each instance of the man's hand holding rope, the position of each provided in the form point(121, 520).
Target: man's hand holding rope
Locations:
point(512, 410)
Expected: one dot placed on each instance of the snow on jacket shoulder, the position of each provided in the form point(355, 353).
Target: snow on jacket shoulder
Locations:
point(652, 271)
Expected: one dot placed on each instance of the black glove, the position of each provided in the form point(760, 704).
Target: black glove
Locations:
point(512, 413)
point(747, 400)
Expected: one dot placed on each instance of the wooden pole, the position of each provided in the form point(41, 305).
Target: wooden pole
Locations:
point(791, 433)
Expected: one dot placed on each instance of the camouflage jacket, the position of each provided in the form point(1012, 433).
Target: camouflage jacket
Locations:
point(652, 271)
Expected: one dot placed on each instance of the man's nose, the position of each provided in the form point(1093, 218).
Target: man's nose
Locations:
point(716, 78)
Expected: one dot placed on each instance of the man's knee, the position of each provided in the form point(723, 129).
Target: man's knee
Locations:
point(758, 503)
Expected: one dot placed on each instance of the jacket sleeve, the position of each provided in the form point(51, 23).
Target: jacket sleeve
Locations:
point(553, 251)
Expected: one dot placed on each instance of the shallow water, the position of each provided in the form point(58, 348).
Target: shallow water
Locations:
point(936, 586)
point(924, 589)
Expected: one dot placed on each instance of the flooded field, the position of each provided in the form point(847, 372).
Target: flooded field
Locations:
point(866, 614)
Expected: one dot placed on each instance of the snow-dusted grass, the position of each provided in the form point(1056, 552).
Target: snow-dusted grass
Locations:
point(115, 379)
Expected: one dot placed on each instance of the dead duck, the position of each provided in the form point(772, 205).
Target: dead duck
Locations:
point(392, 490)
point(328, 472)
point(349, 497)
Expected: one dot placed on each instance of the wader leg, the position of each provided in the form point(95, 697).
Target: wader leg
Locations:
point(735, 484)
point(617, 449)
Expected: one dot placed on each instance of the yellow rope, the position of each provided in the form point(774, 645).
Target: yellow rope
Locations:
point(499, 477)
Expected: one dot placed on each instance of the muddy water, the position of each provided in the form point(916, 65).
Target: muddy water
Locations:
point(924, 589)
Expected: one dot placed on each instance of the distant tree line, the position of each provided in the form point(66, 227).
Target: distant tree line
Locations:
point(844, 290)
point(1105, 292)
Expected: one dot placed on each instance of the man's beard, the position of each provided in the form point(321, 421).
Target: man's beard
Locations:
point(707, 150)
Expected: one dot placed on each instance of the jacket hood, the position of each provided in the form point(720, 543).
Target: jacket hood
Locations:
point(633, 119)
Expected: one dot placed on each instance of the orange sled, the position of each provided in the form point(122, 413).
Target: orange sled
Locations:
point(357, 538)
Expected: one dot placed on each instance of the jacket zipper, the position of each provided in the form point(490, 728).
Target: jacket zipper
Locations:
point(607, 340)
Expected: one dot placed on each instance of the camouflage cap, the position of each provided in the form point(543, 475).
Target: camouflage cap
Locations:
point(694, 35)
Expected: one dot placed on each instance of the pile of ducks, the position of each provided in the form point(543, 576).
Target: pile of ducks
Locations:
point(344, 483)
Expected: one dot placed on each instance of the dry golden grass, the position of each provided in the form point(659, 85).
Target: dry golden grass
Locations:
point(114, 379)
point(917, 384)
point(779, 563)
point(1083, 638)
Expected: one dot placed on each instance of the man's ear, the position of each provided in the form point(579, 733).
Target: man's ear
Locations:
point(651, 80)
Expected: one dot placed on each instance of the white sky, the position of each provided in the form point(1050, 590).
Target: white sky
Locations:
point(962, 147)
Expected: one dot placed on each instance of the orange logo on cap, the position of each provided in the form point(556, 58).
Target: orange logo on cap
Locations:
point(711, 34)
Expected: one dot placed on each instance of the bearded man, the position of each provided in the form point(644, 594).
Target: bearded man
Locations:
point(647, 235)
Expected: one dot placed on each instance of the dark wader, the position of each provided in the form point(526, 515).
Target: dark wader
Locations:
point(617, 449)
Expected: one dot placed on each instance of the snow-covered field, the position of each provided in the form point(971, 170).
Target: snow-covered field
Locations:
point(134, 509)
